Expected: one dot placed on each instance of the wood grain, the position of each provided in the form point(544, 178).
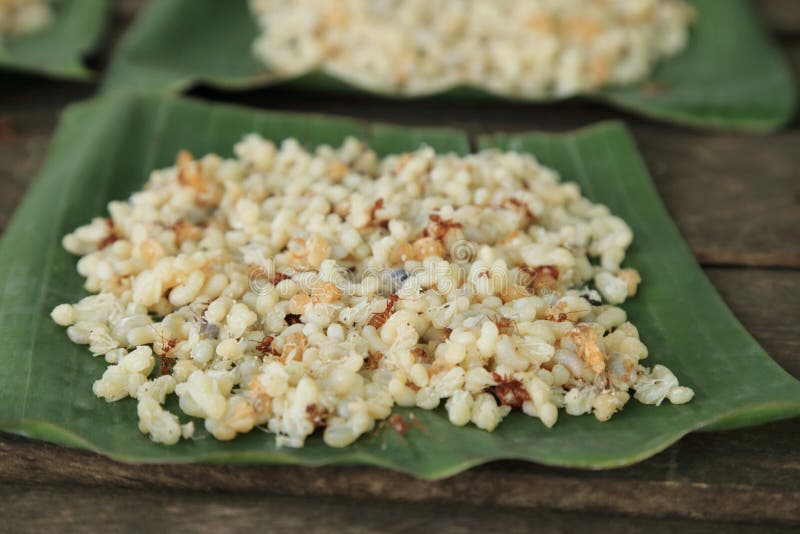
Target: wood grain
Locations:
point(767, 303)
point(734, 197)
point(726, 476)
point(783, 16)
point(29, 109)
point(69, 509)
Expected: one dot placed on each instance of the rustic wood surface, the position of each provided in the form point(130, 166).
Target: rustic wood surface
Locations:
point(71, 508)
point(736, 200)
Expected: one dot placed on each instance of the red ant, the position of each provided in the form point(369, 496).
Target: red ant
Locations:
point(559, 318)
point(438, 227)
point(379, 319)
point(520, 205)
point(373, 361)
point(543, 278)
point(420, 353)
point(279, 277)
point(198, 316)
point(552, 314)
point(398, 424)
point(170, 345)
point(505, 325)
point(510, 392)
point(166, 362)
point(111, 237)
point(265, 346)
point(373, 221)
point(318, 417)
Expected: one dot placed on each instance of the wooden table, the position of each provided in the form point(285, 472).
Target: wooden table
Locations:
point(736, 200)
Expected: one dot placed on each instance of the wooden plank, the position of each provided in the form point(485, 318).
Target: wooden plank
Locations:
point(736, 199)
point(792, 51)
point(767, 302)
point(738, 475)
point(21, 153)
point(71, 509)
point(744, 475)
point(783, 16)
point(29, 109)
point(747, 475)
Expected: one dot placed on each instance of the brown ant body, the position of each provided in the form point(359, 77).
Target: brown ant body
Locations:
point(167, 362)
point(398, 424)
point(110, 238)
point(264, 346)
point(437, 227)
point(278, 278)
point(373, 218)
point(319, 417)
point(379, 319)
point(543, 278)
point(505, 325)
point(523, 207)
point(509, 392)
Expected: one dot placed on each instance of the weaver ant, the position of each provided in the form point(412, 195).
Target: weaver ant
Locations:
point(542, 278)
point(167, 362)
point(505, 325)
point(279, 277)
point(438, 227)
point(379, 319)
point(318, 417)
point(509, 392)
point(522, 206)
point(554, 314)
point(264, 346)
point(397, 423)
point(111, 237)
point(373, 220)
point(373, 361)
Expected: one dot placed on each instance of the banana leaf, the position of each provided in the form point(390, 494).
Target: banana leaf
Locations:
point(104, 150)
point(58, 49)
point(731, 75)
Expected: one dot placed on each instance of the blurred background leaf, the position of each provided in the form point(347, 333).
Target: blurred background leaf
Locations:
point(58, 49)
point(731, 75)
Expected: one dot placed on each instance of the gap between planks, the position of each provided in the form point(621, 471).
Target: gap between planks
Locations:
point(76, 509)
point(782, 16)
point(674, 485)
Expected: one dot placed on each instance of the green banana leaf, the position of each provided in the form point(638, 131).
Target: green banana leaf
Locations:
point(57, 50)
point(731, 76)
point(104, 150)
